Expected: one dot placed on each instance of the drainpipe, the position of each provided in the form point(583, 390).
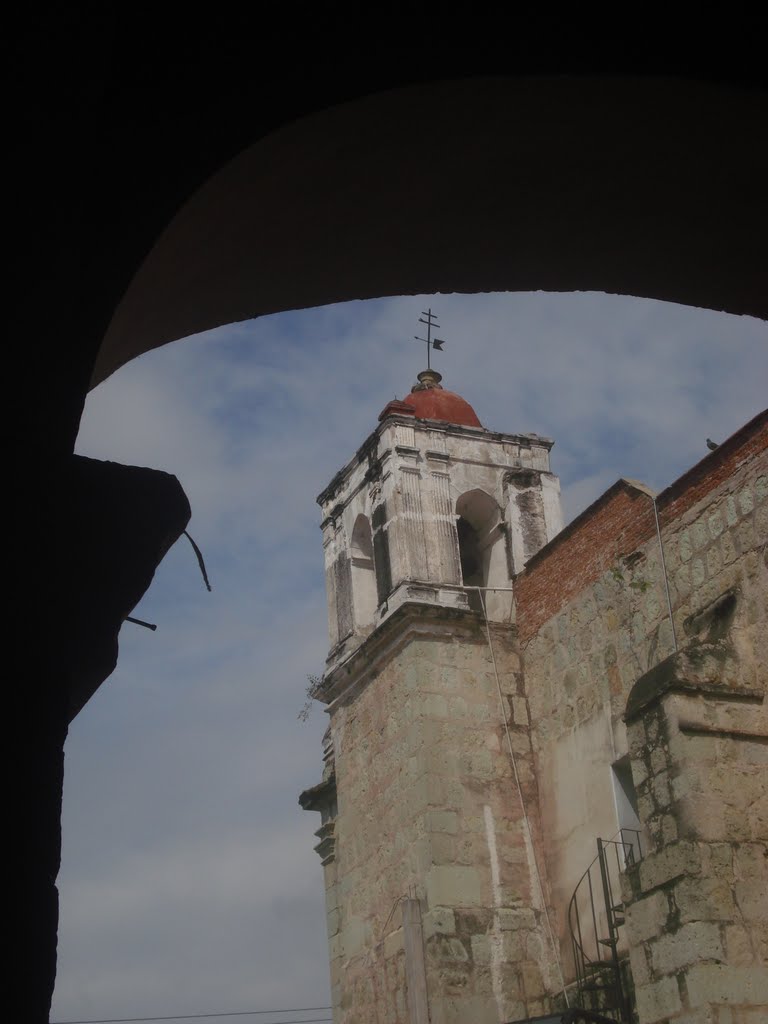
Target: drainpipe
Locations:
point(664, 571)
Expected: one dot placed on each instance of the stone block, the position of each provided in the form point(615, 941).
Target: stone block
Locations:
point(686, 545)
point(443, 760)
point(452, 886)
point(478, 1009)
point(652, 728)
point(715, 523)
point(738, 947)
point(647, 918)
point(439, 921)
point(731, 512)
point(457, 708)
point(480, 764)
point(441, 821)
point(699, 534)
point(761, 524)
point(681, 858)
point(659, 785)
point(721, 983)
point(533, 983)
point(717, 859)
point(481, 949)
point(752, 898)
point(751, 861)
point(516, 919)
point(520, 711)
point(652, 605)
point(704, 899)
point(714, 560)
point(745, 1015)
point(638, 961)
point(435, 706)
point(483, 714)
point(746, 501)
point(704, 1015)
point(446, 949)
point(728, 549)
point(445, 849)
point(659, 759)
point(694, 942)
point(669, 829)
point(745, 536)
point(657, 1001)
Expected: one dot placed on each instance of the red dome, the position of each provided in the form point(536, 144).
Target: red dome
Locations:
point(439, 404)
point(430, 401)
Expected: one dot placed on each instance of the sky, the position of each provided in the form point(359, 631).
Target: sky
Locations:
point(188, 880)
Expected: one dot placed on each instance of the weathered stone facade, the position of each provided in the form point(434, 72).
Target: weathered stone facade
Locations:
point(423, 783)
point(697, 903)
point(478, 746)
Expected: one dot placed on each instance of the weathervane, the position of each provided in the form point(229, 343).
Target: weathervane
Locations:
point(429, 341)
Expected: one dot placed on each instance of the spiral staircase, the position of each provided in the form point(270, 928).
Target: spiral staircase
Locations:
point(595, 920)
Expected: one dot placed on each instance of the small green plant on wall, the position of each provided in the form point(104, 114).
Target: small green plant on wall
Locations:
point(638, 583)
point(311, 695)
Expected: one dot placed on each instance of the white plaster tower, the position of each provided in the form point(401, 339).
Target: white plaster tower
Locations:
point(433, 893)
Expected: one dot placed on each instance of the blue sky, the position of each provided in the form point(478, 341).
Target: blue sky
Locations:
point(189, 883)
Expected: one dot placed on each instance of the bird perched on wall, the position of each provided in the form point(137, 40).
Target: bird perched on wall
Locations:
point(712, 445)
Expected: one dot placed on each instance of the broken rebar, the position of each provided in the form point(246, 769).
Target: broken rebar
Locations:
point(141, 622)
point(200, 561)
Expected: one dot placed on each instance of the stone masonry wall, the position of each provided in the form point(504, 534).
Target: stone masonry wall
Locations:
point(581, 661)
point(427, 808)
point(697, 903)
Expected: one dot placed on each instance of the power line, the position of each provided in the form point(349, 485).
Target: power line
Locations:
point(198, 1016)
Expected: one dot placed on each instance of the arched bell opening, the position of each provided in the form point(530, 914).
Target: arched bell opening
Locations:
point(480, 529)
point(364, 597)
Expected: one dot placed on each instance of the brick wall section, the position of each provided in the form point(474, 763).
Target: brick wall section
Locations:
point(615, 525)
point(748, 442)
point(619, 522)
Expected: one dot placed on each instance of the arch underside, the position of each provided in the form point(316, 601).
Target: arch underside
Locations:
point(642, 186)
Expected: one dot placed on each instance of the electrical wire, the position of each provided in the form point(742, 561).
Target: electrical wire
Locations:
point(199, 1016)
point(664, 572)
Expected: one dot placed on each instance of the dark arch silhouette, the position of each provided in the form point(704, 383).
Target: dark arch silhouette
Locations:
point(616, 184)
point(177, 174)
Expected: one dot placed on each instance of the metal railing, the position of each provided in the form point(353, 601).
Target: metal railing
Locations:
point(595, 915)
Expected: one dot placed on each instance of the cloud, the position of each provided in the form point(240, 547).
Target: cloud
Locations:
point(198, 925)
point(189, 883)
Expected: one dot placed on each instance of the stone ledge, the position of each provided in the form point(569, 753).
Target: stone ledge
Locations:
point(697, 669)
point(410, 620)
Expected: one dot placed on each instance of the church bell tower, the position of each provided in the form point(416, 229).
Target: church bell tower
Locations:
point(428, 829)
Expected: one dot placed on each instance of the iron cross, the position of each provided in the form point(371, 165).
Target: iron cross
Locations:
point(429, 341)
